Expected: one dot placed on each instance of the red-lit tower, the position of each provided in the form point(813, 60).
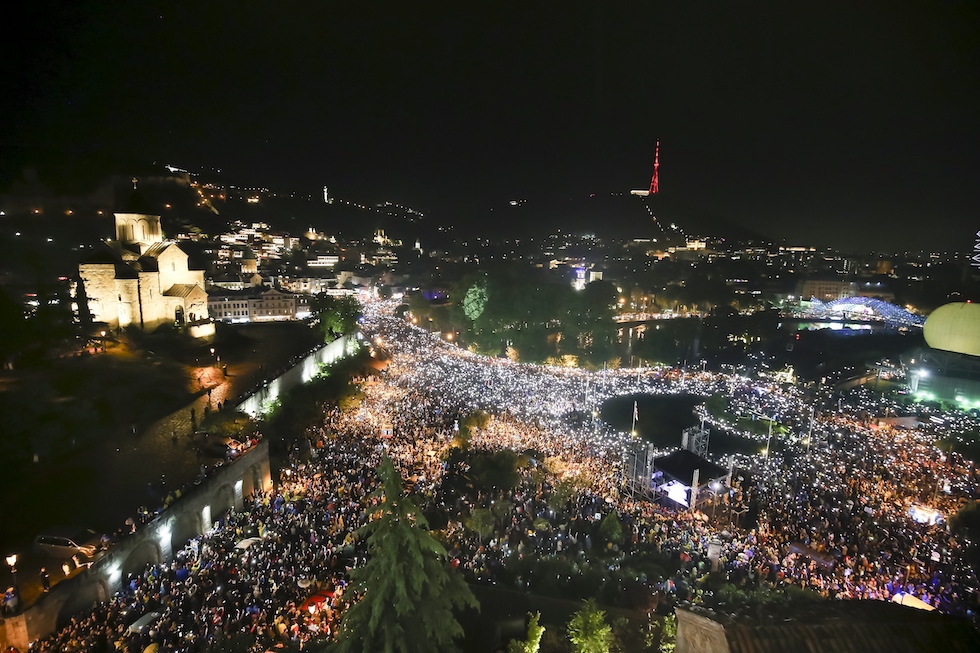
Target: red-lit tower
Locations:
point(655, 180)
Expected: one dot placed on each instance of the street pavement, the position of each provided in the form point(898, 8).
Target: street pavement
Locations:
point(138, 467)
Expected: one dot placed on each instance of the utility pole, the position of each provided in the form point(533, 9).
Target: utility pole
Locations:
point(809, 437)
point(768, 439)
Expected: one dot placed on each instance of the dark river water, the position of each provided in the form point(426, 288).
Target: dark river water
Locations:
point(663, 417)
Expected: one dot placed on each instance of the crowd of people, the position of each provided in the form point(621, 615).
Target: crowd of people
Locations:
point(836, 517)
point(839, 514)
point(274, 571)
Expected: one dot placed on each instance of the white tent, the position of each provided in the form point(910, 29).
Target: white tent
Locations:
point(912, 601)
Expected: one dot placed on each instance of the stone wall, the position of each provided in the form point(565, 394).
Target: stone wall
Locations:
point(172, 264)
point(154, 542)
point(99, 280)
point(156, 309)
point(299, 374)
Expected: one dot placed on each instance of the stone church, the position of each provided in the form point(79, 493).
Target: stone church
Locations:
point(139, 279)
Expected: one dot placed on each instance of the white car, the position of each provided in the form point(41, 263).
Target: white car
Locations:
point(84, 544)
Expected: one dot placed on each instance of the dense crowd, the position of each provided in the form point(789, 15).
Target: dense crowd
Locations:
point(252, 575)
point(836, 516)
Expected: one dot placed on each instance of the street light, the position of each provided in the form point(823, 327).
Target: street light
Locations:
point(12, 563)
point(715, 487)
point(769, 438)
point(103, 341)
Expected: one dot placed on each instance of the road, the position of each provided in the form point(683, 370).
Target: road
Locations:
point(100, 486)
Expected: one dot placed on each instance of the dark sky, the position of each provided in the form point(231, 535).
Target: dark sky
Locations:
point(833, 122)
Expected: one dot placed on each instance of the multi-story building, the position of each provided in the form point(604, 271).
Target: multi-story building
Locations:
point(828, 290)
point(307, 285)
point(257, 305)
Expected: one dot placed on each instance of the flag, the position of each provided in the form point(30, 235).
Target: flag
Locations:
point(636, 412)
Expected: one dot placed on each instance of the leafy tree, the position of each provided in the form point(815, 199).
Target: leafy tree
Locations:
point(554, 642)
point(481, 521)
point(407, 591)
point(495, 470)
point(563, 493)
point(668, 634)
point(666, 342)
point(533, 641)
point(501, 509)
point(588, 630)
point(337, 315)
point(593, 325)
point(13, 325)
point(478, 419)
point(420, 308)
point(475, 300)
point(638, 635)
point(966, 521)
point(610, 529)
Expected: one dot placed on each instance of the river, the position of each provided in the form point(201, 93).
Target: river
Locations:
point(661, 418)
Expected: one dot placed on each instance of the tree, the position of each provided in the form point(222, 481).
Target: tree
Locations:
point(481, 522)
point(588, 630)
point(493, 470)
point(407, 591)
point(610, 529)
point(337, 315)
point(966, 521)
point(533, 641)
point(13, 325)
point(668, 634)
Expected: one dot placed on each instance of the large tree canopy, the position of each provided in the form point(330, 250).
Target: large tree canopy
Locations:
point(337, 315)
point(532, 316)
point(407, 591)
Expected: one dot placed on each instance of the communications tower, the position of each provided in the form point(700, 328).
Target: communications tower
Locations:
point(655, 180)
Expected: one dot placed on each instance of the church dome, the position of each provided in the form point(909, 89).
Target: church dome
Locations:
point(954, 327)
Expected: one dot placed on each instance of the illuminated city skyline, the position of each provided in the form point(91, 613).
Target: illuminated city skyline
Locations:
point(834, 124)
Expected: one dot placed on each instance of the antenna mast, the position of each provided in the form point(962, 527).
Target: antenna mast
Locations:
point(655, 180)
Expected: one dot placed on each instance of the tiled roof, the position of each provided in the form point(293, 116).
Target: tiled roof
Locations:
point(156, 249)
point(181, 289)
point(946, 634)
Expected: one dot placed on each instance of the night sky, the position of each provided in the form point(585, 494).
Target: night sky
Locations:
point(847, 123)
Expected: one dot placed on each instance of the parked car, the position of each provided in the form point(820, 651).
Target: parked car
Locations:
point(222, 447)
point(144, 623)
point(85, 544)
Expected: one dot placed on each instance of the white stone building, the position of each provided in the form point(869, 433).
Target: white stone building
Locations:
point(257, 305)
point(142, 280)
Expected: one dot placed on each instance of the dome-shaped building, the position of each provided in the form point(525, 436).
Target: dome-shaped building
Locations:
point(954, 327)
point(949, 369)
